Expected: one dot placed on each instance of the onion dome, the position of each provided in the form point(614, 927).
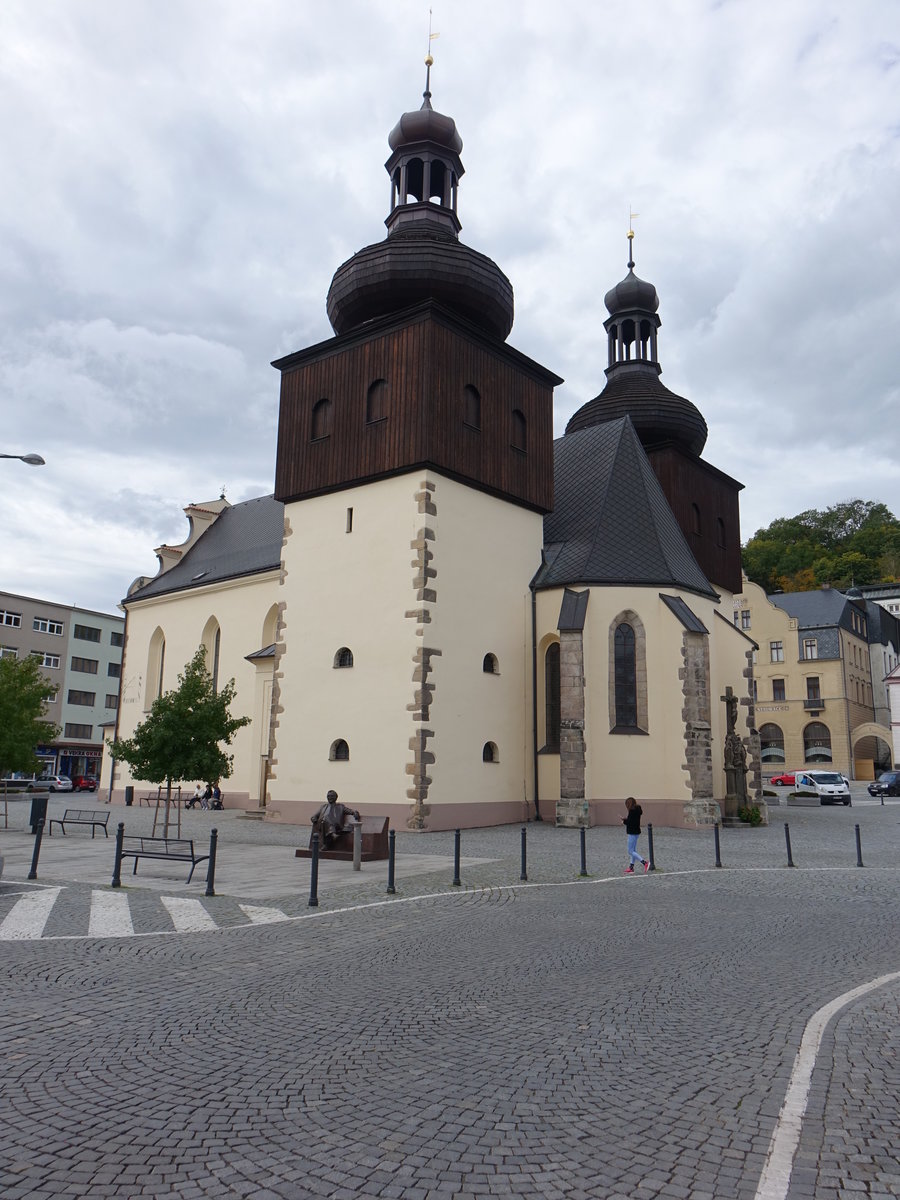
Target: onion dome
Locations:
point(422, 257)
point(633, 387)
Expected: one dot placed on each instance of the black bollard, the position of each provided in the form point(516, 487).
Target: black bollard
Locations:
point(38, 837)
point(211, 869)
point(314, 872)
point(859, 861)
point(456, 881)
point(718, 851)
point(787, 840)
point(650, 844)
point(583, 871)
point(523, 874)
point(117, 868)
point(392, 837)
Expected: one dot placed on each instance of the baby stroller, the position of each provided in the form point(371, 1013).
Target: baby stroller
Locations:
point(216, 801)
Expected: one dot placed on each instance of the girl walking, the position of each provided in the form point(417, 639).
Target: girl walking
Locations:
point(632, 823)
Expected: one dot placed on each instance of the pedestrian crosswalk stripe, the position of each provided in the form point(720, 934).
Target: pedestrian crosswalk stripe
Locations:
point(188, 916)
point(260, 915)
point(28, 916)
point(110, 915)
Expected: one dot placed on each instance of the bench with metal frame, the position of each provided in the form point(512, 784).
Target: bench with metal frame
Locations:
point(81, 816)
point(175, 849)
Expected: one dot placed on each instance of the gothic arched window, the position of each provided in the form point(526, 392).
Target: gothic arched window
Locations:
point(552, 712)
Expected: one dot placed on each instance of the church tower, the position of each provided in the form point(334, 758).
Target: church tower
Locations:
point(671, 429)
point(415, 464)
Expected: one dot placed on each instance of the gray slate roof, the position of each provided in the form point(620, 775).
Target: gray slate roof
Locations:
point(819, 609)
point(611, 523)
point(243, 540)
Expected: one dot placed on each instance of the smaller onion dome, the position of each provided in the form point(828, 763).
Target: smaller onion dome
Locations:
point(631, 292)
point(425, 125)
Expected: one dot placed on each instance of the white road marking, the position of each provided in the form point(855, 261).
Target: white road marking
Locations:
point(260, 915)
point(776, 1175)
point(110, 915)
point(28, 916)
point(188, 916)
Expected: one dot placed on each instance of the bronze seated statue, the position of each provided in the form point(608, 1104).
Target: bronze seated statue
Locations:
point(332, 822)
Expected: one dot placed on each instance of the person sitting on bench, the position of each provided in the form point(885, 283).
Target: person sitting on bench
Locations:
point(332, 820)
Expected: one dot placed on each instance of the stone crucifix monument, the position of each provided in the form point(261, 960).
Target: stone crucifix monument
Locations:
point(735, 760)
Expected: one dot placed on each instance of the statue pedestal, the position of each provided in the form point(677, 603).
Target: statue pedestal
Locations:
point(374, 843)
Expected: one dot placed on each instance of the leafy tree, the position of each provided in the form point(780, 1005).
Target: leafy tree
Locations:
point(23, 708)
point(183, 734)
point(854, 542)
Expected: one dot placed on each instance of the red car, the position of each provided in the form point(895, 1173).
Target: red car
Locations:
point(84, 783)
point(784, 780)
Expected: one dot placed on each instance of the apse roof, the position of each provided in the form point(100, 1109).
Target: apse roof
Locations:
point(244, 539)
point(611, 523)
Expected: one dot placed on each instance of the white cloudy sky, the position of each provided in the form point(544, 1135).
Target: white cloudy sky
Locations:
point(181, 178)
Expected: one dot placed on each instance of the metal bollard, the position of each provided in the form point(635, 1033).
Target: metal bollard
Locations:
point(357, 847)
point(456, 881)
point(718, 849)
point(787, 840)
point(523, 874)
point(392, 837)
point(583, 871)
point(314, 872)
point(650, 844)
point(211, 870)
point(859, 861)
point(38, 837)
point(117, 868)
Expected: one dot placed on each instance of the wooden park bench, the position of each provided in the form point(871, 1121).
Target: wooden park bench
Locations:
point(176, 849)
point(159, 796)
point(81, 816)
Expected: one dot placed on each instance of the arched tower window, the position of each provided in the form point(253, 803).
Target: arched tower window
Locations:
point(156, 664)
point(626, 677)
point(415, 179)
point(519, 430)
point(720, 533)
point(489, 753)
point(696, 526)
point(816, 743)
point(771, 744)
point(339, 752)
point(377, 401)
point(211, 641)
point(270, 626)
point(551, 698)
point(344, 657)
point(489, 665)
point(472, 406)
point(437, 183)
point(628, 710)
point(320, 425)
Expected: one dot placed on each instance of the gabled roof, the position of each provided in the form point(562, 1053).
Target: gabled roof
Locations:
point(820, 609)
point(611, 523)
point(243, 540)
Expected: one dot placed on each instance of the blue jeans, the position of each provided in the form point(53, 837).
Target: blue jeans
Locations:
point(632, 849)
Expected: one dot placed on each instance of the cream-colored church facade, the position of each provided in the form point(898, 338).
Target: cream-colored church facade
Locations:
point(442, 614)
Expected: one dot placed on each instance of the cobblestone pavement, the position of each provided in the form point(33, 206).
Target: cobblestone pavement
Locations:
point(569, 1038)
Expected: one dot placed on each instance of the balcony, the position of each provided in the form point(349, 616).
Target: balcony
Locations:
point(814, 705)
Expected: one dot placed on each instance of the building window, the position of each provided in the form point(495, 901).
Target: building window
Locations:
point(377, 402)
point(114, 670)
point(745, 618)
point(320, 425)
point(816, 742)
point(11, 618)
point(812, 688)
point(810, 648)
point(8, 652)
point(45, 625)
point(47, 660)
point(87, 665)
point(348, 528)
point(86, 698)
point(626, 677)
point(86, 633)
point(471, 407)
point(720, 533)
point(736, 617)
point(344, 657)
point(551, 698)
point(489, 753)
point(112, 700)
point(776, 651)
point(78, 731)
point(771, 744)
point(519, 431)
point(156, 664)
point(117, 639)
point(777, 689)
point(696, 527)
point(339, 752)
point(489, 665)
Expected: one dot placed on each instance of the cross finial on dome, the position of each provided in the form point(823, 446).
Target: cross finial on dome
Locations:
point(429, 62)
point(631, 216)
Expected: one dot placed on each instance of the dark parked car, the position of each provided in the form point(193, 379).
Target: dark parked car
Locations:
point(887, 784)
point(85, 783)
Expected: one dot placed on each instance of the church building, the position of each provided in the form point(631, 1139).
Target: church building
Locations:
point(441, 613)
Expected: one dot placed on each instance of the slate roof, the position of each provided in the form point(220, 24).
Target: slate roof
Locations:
point(820, 609)
point(611, 523)
point(243, 540)
point(684, 613)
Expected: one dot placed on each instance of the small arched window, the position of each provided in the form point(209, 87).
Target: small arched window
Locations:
point(377, 401)
point(519, 431)
point(551, 698)
point(695, 519)
point(490, 665)
point(472, 406)
point(320, 426)
point(816, 742)
point(489, 753)
point(339, 752)
point(344, 657)
point(720, 533)
point(771, 744)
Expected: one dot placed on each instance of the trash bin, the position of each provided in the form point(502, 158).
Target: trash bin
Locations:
point(38, 810)
point(129, 794)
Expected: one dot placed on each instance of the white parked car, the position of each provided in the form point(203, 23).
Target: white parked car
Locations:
point(829, 786)
point(52, 783)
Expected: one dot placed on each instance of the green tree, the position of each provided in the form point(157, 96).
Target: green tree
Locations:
point(184, 732)
point(23, 709)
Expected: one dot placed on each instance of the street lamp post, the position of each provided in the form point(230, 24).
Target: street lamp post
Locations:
point(33, 460)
